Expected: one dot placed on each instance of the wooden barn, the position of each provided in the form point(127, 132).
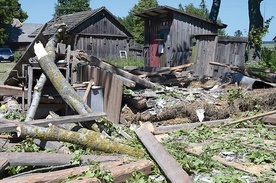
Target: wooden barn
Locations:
point(97, 32)
point(168, 35)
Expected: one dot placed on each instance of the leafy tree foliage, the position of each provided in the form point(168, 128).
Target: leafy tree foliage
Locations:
point(135, 25)
point(9, 9)
point(238, 33)
point(200, 11)
point(65, 7)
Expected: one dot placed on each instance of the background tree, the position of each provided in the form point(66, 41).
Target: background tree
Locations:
point(238, 33)
point(135, 25)
point(257, 29)
point(202, 12)
point(64, 7)
point(9, 9)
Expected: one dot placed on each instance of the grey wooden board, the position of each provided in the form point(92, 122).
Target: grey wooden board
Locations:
point(172, 170)
point(10, 126)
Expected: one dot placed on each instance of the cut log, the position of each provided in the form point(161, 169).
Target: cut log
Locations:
point(120, 173)
point(172, 170)
point(52, 159)
point(136, 102)
point(92, 140)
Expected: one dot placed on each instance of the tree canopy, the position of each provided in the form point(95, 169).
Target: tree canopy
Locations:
point(9, 10)
point(65, 7)
point(135, 25)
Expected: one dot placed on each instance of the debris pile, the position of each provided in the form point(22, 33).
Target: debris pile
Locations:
point(160, 108)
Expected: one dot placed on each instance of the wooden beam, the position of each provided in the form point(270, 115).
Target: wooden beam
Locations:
point(165, 70)
point(249, 118)
point(119, 173)
point(10, 126)
point(52, 159)
point(6, 90)
point(3, 164)
point(97, 62)
point(270, 119)
point(172, 170)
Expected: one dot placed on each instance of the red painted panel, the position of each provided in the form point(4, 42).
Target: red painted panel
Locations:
point(154, 58)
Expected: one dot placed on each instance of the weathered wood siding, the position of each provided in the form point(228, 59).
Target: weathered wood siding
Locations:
point(212, 48)
point(174, 31)
point(101, 36)
point(112, 89)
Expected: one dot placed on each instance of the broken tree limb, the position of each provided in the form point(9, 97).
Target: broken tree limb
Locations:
point(50, 48)
point(165, 70)
point(36, 97)
point(172, 170)
point(52, 159)
point(91, 140)
point(249, 118)
point(66, 91)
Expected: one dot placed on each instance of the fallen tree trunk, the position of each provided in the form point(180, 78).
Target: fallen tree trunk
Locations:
point(91, 140)
point(64, 88)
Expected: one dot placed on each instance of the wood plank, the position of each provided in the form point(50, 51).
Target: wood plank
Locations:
point(55, 176)
point(172, 170)
point(52, 159)
point(3, 164)
point(271, 119)
point(6, 90)
point(119, 173)
point(97, 62)
point(10, 126)
point(165, 70)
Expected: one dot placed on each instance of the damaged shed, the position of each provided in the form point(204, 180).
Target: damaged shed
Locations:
point(97, 32)
point(168, 34)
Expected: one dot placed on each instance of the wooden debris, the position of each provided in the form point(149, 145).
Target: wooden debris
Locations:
point(119, 172)
point(271, 119)
point(10, 126)
point(136, 102)
point(249, 118)
point(53, 159)
point(103, 65)
point(93, 140)
point(6, 90)
point(165, 70)
point(3, 164)
point(172, 170)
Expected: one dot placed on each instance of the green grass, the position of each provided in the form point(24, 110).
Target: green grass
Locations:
point(5, 68)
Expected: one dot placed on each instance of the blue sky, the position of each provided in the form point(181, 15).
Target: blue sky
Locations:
point(234, 13)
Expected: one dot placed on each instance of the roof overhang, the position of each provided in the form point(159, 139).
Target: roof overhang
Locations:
point(160, 10)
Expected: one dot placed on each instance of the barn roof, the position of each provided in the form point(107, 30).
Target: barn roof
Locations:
point(72, 21)
point(166, 9)
point(21, 33)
